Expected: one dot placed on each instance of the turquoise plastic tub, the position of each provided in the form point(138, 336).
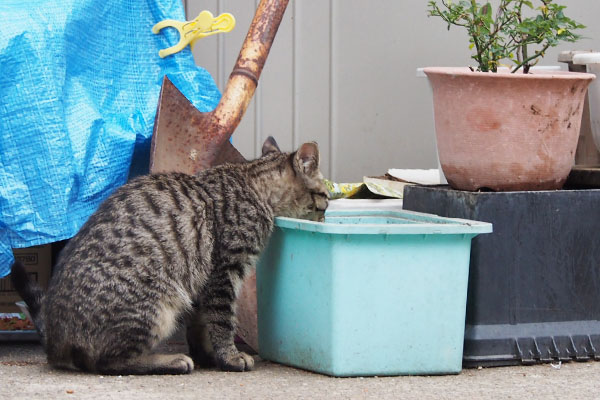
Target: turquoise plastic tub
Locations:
point(366, 293)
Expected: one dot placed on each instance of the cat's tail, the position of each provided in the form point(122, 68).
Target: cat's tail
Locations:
point(29, 291)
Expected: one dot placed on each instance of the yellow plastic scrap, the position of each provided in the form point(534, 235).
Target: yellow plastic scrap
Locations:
point(205, 24)
point(382, 187)
point(341, 190)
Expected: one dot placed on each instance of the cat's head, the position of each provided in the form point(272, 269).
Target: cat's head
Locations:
point(301, 190)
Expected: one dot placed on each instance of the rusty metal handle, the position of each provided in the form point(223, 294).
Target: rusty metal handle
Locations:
point(260, 38)
point(248, 67)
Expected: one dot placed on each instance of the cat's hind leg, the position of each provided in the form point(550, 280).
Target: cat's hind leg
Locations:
point(147, 364)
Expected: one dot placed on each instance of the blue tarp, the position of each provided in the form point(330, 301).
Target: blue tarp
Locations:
point(79, 87)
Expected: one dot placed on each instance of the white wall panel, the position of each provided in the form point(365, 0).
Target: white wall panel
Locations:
point(342, 73)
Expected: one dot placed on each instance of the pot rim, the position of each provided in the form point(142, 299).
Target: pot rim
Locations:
point(505, 73)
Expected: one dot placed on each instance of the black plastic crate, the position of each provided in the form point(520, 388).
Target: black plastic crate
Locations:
point(534, 284)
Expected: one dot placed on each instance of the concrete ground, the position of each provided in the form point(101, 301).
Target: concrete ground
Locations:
point(25, 374)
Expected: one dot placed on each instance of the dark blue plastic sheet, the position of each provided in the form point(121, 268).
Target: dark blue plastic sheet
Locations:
point(79, 86)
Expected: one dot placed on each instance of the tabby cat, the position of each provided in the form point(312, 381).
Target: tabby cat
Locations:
point(163, 249)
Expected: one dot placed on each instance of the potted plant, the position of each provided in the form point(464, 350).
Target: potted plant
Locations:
point(507, 127)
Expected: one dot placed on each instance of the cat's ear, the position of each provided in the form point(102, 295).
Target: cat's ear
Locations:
point(307, 158)
point(270, 146)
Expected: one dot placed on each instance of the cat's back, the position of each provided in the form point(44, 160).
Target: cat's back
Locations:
point(149, 237)
point(162, 222)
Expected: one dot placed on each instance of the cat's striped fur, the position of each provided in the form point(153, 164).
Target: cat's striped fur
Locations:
point(167, 248)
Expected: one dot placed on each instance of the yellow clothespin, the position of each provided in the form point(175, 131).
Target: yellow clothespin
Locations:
point(205, 24)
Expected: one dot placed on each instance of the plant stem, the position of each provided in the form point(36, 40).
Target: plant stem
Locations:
point(533, 57)
point(475, 34)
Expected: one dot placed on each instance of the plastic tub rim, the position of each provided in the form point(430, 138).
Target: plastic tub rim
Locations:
point(423, 224)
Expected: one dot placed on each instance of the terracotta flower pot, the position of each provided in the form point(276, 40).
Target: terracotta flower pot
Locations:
point(504, 131)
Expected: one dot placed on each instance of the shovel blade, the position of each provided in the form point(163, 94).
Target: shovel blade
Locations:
point(178, 141)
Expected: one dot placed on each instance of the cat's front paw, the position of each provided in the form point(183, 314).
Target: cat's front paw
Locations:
point(237, 362)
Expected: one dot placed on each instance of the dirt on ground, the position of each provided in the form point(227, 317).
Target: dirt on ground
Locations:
point(25, 374)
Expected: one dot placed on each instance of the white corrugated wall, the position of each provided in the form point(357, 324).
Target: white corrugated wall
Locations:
point(342, 73)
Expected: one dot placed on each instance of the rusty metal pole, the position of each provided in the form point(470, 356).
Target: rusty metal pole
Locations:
point(243, 79)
